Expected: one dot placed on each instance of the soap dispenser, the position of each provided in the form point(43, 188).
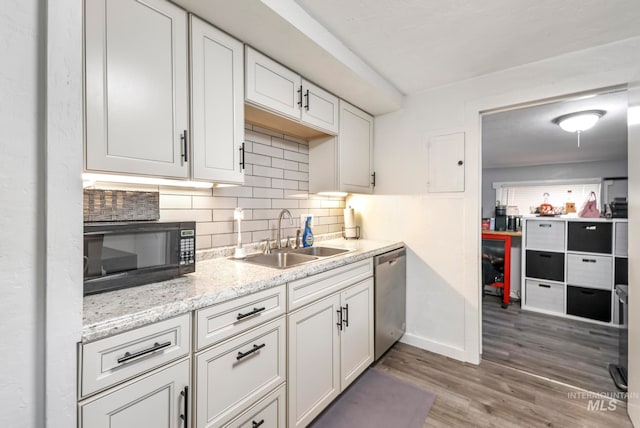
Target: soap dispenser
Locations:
point(307, 235)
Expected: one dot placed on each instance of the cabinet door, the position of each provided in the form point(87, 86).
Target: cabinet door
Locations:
point(155, 400)
point(446, 163)
point(136, 87)
point(314, 360)
point(270, 85)
point(356, 149)
point(356, 338)
point(319, 107)
point(217, 104)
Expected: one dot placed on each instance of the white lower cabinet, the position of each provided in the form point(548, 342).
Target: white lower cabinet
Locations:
point(231, 376)
point(330, 344)
point(270, 412)
point(158, 399)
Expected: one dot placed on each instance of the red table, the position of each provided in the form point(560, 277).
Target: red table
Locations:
point(506, 238)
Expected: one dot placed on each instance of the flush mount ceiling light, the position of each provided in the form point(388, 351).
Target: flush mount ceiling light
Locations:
point(579, 121)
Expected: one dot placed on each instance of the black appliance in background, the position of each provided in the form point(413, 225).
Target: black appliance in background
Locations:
point(501, 218)
point(122, 255)
point(619, 371)
point(619, 208)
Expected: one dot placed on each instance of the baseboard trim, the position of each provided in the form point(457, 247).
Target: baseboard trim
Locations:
point(435, 347)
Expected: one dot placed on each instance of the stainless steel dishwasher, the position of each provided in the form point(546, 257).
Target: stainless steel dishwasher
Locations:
point(390, 271)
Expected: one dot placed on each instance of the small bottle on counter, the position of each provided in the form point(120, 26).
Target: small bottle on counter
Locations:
point(307, 235)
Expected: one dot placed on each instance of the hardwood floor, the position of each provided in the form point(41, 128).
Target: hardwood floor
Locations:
point(569, 351)
point(492, 395)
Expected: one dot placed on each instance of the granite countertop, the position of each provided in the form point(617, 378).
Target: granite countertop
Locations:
point(215, 281)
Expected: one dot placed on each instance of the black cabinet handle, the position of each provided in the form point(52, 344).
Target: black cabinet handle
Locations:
point(460, 162)
point(255, 424)
point(255, 348)
point(339, 323)
point(185, 416)
point(300, 96)
point(248, 314)
point(306, 94)
point(373, 179)
point(588, 293)
point(185, 147)
point(589, 260)
point(546, 256)
point(128, 356)
point(345, 310)
point(241, 149)
point(544, 225)
point(544, 286)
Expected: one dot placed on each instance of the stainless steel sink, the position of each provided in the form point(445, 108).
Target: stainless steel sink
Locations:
point(320, 251)
point(281, 260)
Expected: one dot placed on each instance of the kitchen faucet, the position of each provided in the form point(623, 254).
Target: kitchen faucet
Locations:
point(282, 213)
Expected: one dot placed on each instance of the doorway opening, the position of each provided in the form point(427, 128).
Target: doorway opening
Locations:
point(550, 277)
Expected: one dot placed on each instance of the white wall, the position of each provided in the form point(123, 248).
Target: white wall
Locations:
point(442, 231)
point(545, 172)
point(40, 214)
point(22, 215)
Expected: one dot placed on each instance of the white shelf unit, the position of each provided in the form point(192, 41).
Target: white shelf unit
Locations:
point(549, 238)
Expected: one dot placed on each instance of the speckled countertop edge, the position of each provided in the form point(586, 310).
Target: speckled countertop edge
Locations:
point(215, 281)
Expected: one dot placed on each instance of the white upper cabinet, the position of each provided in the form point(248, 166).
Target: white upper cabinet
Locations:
point(276, 88)
point(446, 163)
point(319, 107)
point(271, 85)
point(356, 150)
point(136, 87)
point(217, 104)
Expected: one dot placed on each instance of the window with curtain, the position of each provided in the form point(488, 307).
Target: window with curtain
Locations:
point(527, 194)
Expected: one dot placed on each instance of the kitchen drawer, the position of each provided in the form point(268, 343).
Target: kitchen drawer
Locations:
point(590, 237)
point(114, 359)
point(589, 303)
point(621, 275)
point(622, 239)
point(546, 296)
point(545, 235)
point(235, 374)
point(545, 265)
point(315, 287)
point(270, 412)
point(219, 322)
point(590, 271)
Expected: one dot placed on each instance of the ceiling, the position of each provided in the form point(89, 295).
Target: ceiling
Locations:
point(420, 44)
point(527, 136)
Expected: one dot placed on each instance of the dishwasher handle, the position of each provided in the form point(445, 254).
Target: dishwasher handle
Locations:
point(390, 257)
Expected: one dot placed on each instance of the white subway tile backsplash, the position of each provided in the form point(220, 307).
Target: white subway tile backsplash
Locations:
point(175, 202)
point(265, 171)
point(261, 149)
point(214, 202)
point(276, 177)
point(298, 157)
point(284, 164)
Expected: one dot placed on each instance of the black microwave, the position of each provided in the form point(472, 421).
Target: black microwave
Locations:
point(122, 255)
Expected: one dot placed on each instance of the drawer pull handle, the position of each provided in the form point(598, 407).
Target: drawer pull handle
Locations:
point(339, 323)
point(544, 225)
point(544, 286)
point(255, 348)
point(588, 293)
point(128, 356)
point(248, 314)
point(546, 256)
point(590, 227)
point(589, 260)
point(255, 424)
point(345, 311)
point(185, 415)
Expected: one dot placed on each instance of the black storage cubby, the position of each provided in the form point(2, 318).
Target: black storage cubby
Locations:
point(590, 237)
point(589, 303)
point(545, 265)
point(622, 271)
